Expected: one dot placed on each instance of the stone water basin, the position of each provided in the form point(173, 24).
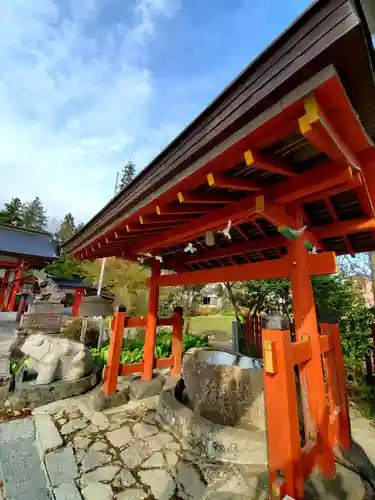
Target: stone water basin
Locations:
point(225, 388)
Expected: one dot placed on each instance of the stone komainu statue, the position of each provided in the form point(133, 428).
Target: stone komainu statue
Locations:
point(55, 358)
point(49, 290)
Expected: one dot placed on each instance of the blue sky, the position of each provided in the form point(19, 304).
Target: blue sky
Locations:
point(87, 84)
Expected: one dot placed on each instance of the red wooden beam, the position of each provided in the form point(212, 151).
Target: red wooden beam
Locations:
point(164, 219)
point(182, 208)
point(216, 219)
point(318, 179)
point(204, 198)
point(255, 245)
point(321, 133)
point(224, 181)
point(138, 227)
point(324, 263)
point(355, 183)
point(361, 225)
point(257, 160)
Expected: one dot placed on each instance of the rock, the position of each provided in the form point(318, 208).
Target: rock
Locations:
point(190, 480)
point(17, 429)
point(100, 401)
point(120, 437)
point(156, 460)
point(99, 446)
point(161, 483)
point(93, 459)
point(142, 430)
point(141, 389)
point(97, 491)
point(67, 491)
point(156, 443)
point(132, 494)
point(61, 466)
point(100, 420)
point(135, 454)
point(48, 436)
point(173, 446)
point(62, 421)
point(90, 429)
point(81, 442)
point(103, 474)
point(127, 478)
point(74, 425)
point(149, 418)
point(171, 459)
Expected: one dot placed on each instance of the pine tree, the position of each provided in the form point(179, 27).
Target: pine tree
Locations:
point(12, 212)
point(67, 228)
point(33, 215)
point(127, 175)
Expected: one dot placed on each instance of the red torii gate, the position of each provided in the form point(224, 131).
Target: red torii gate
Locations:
point(280, 192)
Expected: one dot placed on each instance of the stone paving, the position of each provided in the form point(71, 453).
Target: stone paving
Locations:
point(123, 453)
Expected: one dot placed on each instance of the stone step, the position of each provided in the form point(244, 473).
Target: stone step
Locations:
point(21, 468)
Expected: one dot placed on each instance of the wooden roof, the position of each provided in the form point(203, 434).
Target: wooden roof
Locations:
point(294, 130)
point(36, 248)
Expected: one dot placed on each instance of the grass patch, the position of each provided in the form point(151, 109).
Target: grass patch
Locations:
point(219, 324)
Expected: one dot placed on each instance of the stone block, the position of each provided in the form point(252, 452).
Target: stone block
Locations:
point(47, 322)
point(44, 307)
point(96, 306)
point(215, 441)
point(32, 394)
point(67, 491)
point(61, 466)
point(47, 434)
point(141, 389)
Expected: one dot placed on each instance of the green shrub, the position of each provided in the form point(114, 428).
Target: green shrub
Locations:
point(133, 349)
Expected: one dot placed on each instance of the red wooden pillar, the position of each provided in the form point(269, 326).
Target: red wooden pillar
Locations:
point(152, 321)
point(16, 286)
point(111, 371)
point(177, 341)
point(283, 437)
point(80, 292)
point(314, 401)
point(3, 288)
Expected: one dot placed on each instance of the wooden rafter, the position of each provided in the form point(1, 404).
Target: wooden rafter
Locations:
point(210, 221)
point(319, 131)
point(157, 219)
point(360, 225)
point(310, 182)
point(257, 160)
point(225, 181)
point(182, 208)
point(255, 245)
point(355, 183)
point(204, 198)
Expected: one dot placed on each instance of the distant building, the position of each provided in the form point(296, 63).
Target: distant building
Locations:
point(210, 296)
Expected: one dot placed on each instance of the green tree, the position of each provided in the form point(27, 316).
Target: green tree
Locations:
point(12, 213)
point(33, 215)
point(67, 228)
point(66, 267)
point(127, 175)
point(125, 280)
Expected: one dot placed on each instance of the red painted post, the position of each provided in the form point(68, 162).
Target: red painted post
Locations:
point(3, 288)
point(16, 286)
point(80, 292)
point(177, 341)
point(112, 369)
point(152, 322)
point(315, 406)
point(283, 436)
point(344, 434)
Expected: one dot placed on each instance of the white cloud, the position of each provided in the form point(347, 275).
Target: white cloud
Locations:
point(75, 94)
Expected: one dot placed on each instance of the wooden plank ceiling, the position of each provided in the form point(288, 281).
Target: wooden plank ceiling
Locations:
point(313, 156)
